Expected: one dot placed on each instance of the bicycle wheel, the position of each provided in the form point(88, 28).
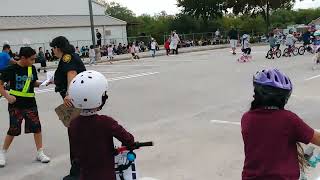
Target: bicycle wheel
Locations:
point(269, 54)
point(278, 53)
point(302, 50)
point(295, 51)
point(286, 52)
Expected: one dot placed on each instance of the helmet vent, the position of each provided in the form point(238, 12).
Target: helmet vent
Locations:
point(276, 78)
point(89, 77)
point(74, 81)
point(82, 82)
point(287, 82)
point(268, 76)
point(85, 100)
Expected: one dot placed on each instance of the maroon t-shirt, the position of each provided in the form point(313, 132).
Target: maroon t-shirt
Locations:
point(92, 139)
point(270, 138)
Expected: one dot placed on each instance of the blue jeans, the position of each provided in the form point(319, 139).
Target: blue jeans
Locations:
point(153, 52)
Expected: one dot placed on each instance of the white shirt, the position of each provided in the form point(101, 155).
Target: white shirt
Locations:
point(110, 50)
point(153, 45)
point(92, 53)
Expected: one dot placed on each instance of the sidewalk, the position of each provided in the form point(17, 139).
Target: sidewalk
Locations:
point(53, 65)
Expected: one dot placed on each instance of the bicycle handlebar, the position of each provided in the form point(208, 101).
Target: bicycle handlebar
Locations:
point(137, 145)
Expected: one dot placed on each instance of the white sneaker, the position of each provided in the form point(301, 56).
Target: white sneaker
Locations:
point(42, 157)
point(2, 158)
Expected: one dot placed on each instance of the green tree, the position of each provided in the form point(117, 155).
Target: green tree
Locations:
point(204, 9)
point(262, 7)
point(116, 10)
point(123, 13)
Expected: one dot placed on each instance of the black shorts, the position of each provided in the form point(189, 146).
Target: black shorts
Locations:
point(31, 117)
point(247, 51)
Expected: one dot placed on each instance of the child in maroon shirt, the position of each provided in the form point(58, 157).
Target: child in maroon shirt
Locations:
point(91, 134)
point(272, 134)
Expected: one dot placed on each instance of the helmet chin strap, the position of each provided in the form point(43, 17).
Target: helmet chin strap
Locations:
point(89, 112)
point(104, 99)
point(271, 108)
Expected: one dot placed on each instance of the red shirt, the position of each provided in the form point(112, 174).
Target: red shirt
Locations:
point(92, 139)
point(270, 138)
point(167, 45)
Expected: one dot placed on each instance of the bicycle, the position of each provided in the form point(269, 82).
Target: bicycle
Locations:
point(287, 51)
point(304, 48)
point(312, 160)
point(125, 165)
point(274, 51)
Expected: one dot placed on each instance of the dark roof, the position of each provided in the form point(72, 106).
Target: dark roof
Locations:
point(60, 21)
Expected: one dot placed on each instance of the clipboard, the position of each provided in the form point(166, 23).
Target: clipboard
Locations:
point(67, 114)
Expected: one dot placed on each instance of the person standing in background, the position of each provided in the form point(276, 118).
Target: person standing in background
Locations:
point(153, 45)
point(48, 56)
point(92, 55)
point(167, 46)
point(174, 42)
point(42, 60)
point(97, 51)
point(99, 36)
point(233, 38)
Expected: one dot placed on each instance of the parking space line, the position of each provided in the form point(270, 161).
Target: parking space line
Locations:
point(225, 122)
point(308, 79)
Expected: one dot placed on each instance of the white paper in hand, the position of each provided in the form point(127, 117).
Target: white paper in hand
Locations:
point(50, 78)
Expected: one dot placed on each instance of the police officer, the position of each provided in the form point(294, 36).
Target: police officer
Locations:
point(69, 66)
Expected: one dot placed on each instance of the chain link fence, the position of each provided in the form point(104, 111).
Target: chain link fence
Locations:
point(82, 43)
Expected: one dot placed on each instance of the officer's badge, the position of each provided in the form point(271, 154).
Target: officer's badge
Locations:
point(67, 58)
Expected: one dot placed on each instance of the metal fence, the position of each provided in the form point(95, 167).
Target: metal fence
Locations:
point(80, 43)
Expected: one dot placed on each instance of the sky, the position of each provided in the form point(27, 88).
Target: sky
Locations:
point(155, 6)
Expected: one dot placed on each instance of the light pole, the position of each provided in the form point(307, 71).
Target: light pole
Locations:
point(92, 24)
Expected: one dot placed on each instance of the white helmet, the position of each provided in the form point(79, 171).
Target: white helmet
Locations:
point(88, 90)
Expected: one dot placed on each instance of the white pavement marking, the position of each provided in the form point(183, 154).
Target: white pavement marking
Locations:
point(225, 122)
point(132, 76)
point(39, 91)
point(109, 72)
point(308, 79)
point(148, 178)
point(125, 65)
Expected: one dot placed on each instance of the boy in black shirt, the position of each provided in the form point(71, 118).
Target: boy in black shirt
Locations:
point(22, 78)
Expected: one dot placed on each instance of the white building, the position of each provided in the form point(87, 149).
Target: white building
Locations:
point(39, 21)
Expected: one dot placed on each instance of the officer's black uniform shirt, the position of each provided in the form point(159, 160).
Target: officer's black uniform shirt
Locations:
point(69, 62)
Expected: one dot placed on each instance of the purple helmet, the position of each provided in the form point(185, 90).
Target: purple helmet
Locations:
point(273, 78)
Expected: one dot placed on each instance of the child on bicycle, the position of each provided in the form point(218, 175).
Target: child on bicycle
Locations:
point(290, 41)
point(245, 43)
point(272, 134)
point(316, 44)
point(245, 47)
point(92, 134)
point(272, 41)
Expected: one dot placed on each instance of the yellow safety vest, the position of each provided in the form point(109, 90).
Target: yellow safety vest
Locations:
point(24, 92)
